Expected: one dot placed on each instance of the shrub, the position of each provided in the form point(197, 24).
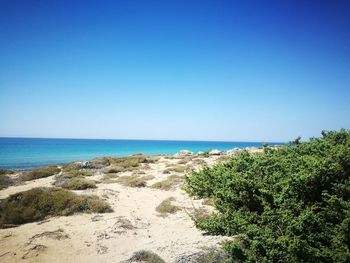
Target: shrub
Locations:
point(39, 203)
point(132, 181)
point(177, 168)
point(288, 205)
point(6, 171)
point(5, 181)
point(146, 257)
point(41, 173)
point(71, 166)
point(75, 183)
point(167, 184)
point(122, 164)
point(166, 207)
point(76, 173)
point(207, 255)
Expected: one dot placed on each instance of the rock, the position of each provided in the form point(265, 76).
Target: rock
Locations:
point(184, 153)
point(233, 151)
point(215, 152)
point(86, 165)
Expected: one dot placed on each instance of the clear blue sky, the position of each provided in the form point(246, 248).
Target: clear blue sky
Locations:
point(204, 70)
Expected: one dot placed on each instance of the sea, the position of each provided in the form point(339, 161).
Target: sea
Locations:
point(24, 153)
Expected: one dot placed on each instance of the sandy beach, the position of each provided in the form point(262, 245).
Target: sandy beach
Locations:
point(133, 225)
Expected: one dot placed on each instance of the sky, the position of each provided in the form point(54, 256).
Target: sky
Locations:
point(182, 70)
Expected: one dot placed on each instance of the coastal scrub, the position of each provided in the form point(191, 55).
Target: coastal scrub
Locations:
point(40, 173)
point(39, 203)
point(290, 204)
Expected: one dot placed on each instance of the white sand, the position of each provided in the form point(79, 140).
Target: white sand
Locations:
point(107, 237)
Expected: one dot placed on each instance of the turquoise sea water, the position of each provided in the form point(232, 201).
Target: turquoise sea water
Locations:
point(28, 152)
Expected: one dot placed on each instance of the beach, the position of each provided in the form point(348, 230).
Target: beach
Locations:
point(133, 225)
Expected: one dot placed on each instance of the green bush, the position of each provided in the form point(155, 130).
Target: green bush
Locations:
point(38, 203)
point(287, 205)
point(41, 172)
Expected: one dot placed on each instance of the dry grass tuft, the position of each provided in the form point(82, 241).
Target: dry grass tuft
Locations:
point(185, 160)
point(208, 202)
point(132, 181)
point(166, 207)
point(145, 257)
point(168, 183)
point(178, 168)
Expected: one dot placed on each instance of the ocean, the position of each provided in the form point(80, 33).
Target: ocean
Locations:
point(22, 153)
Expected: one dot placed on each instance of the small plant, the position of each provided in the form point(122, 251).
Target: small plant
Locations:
point(38, 203)
point(109, 177)
point(41, 173)
point(132, 181)
point(76, 173)
point(166, 207)
point(71, 166)
point(207, 255)
point(5, 181)
point(6, 171)
point(145, 257)
point(79, 184)
point(168, 183)
point(185, 160)
point(166, 171)
point(208, 202)
point(177, 168)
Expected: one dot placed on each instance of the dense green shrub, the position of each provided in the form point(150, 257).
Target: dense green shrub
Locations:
point(287, 205)
point(39, 203)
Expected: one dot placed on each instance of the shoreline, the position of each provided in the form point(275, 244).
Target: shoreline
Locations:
point(209, 151)
point(30, 153)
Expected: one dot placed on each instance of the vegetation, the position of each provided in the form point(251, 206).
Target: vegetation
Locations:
point(38, 203)
point(168, 183)
point(146, 257)
point(177, 168)
point(185, 160)
point(166, 207)
point(288, 205)
point(5, 181)
point(75, 183)
point(71, 166)
point(6, 171)
point(109, 177)
point(41, 173)
point(76, 173)
point(132, 181)
point(206, 255)
point(121, 164)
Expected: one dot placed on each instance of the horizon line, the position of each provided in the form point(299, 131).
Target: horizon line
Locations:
point(113, 139)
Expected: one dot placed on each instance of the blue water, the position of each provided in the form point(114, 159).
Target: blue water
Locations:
point(23, 153)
